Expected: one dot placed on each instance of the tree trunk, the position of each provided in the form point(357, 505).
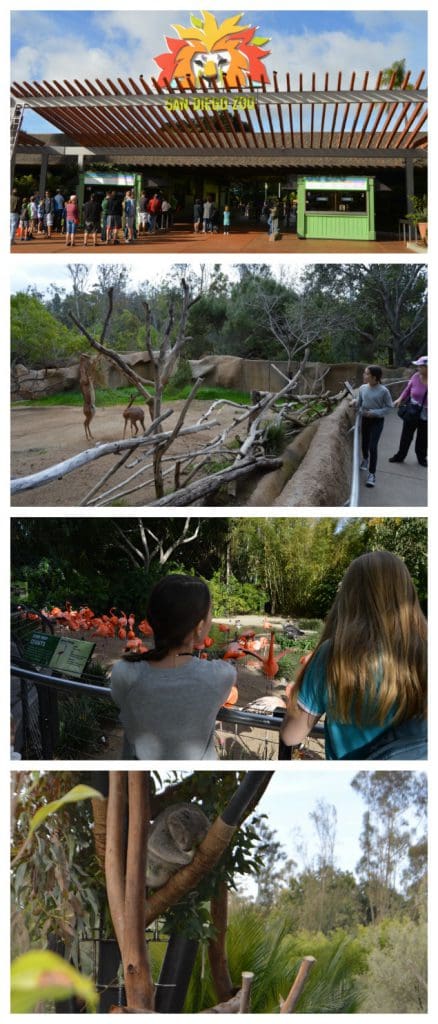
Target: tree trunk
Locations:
point(217, 951)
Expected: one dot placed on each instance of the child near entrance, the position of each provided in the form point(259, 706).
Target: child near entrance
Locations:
point(374, 402)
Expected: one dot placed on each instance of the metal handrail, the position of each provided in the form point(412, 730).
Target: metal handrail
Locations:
point(354, 492)
point(231, 716)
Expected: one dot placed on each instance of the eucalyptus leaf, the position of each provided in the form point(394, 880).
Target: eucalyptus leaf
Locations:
point(73, 796)
point(41, 975)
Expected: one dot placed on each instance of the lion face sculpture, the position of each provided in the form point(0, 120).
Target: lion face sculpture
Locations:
point(209, 51)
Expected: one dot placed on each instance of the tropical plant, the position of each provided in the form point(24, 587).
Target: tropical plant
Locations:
point(265, 948)
point(418, 209)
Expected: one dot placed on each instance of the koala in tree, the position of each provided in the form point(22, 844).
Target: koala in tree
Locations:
point(172, 841)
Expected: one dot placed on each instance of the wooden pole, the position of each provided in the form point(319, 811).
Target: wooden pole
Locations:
point(298, 985)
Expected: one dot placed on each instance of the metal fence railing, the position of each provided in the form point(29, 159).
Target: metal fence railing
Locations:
point(50, 707)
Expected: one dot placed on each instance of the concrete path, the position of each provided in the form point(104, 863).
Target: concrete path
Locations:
point(243, 239)
point(398, 484)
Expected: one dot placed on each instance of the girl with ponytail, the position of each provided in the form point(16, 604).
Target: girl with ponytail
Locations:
point(168, 698)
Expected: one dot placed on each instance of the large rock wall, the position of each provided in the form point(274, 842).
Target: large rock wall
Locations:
point(27, 384)
point(261, 375)
point(324, 476)
point(270, 485)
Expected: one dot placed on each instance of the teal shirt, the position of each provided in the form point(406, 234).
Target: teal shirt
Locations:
point(340, 737)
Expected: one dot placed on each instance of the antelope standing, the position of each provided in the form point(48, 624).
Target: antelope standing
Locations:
point(87, 387)
point(133, 414)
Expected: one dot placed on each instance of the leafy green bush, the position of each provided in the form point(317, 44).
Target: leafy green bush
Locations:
point(259, 945)
point(274, 437)
point(183, 375)
point(234, 598)
point(315, 624)
point(396, 980)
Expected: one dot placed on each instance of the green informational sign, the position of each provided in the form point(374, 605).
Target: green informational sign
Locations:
point(62, 653)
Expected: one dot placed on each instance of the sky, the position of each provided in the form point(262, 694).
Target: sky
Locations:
point(42, 275)
point(124, 43)
point(293, 794)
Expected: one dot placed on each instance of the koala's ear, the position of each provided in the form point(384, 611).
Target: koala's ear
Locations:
point(179, 831)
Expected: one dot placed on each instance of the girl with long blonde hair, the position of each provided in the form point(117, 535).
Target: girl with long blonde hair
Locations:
point(368, 672)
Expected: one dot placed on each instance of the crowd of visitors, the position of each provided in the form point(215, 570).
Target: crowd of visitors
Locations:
point(115, 217)
point(111, 219)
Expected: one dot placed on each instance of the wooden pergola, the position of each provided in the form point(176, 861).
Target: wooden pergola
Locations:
point(351, 123)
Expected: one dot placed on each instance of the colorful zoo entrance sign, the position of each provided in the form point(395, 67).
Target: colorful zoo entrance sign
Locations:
point(58, 652)
point(211, 53)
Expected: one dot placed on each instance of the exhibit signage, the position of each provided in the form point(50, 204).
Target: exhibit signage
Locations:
point(62, 653)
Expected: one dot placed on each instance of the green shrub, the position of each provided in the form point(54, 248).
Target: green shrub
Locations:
point(234, 598)
point(274, 437)
point(396, 981)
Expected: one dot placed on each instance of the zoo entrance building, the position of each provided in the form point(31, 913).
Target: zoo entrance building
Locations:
point(350, 153)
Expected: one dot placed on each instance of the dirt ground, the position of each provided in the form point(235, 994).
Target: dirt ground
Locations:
point(42, 437)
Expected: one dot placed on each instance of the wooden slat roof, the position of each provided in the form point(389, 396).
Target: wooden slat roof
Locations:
point(133, 115)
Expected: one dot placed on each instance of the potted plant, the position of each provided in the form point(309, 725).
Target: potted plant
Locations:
point(418, 215)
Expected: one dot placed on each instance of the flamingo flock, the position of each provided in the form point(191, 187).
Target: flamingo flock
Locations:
point(118, 625)
point(113, 626)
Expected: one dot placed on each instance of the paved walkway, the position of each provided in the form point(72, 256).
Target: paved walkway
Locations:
point(398, 484)
point(241, 240)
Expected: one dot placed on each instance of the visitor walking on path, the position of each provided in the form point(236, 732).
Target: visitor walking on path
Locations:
point(15, 213)
point(49, 214)
point(71, 220)
point(91, 213)
point(129, 209)
point(368, 672)
point(415, 415)
point(197, 215)
point(374, 402)
point(227, 220)
point(207, 214)
point(168, 698)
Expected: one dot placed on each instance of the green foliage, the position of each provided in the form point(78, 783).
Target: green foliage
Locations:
point(183, 375)
point(297, 562)
point(274, 437)
point(418, 209)
point(396, 980)
point(80, 726)
point(108, 397)
point(230, 597)
point(264, 947)
point(406, 538)
point(36, 336)
point(56, 882)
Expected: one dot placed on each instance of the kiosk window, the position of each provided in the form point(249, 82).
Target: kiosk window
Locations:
point(335, 201)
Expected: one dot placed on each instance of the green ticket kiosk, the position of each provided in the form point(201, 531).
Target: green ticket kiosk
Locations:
point(332, 207)
point(101, 181)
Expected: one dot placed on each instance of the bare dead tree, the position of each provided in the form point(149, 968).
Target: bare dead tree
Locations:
point(298, 326)
point(143, 552)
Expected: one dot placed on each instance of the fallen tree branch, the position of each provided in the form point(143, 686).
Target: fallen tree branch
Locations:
point(192, 494)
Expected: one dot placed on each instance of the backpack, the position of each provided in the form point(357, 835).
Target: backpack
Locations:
point(405, 741)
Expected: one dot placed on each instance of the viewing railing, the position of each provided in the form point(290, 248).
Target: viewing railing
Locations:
point(41, 717)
